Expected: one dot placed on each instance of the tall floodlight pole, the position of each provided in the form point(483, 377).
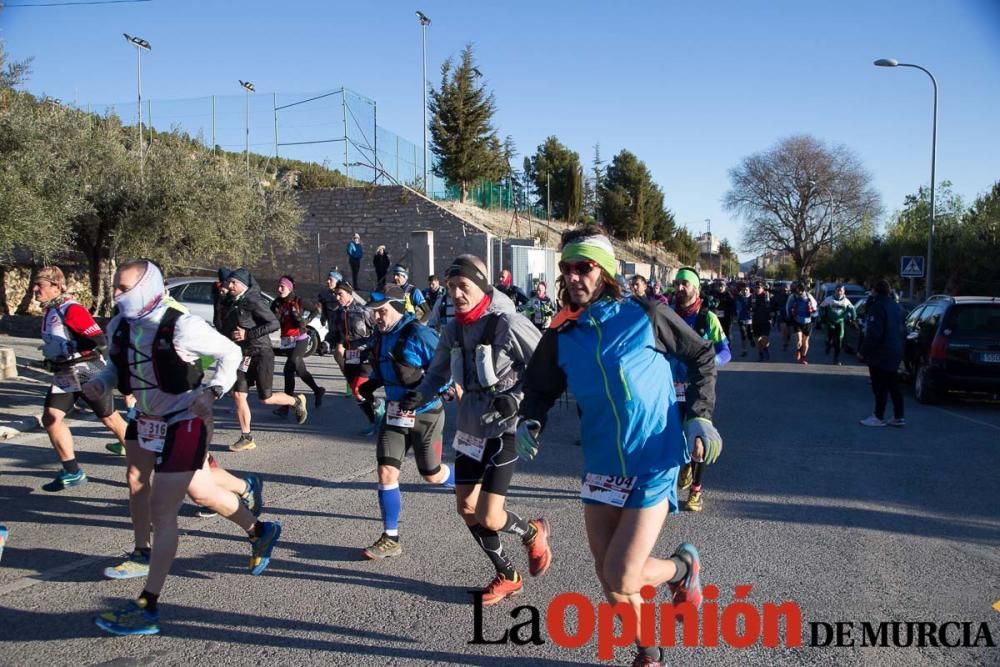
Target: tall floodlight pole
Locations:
point(249, 87)
point(424, 22)
point(890, 62)
point(140, 45)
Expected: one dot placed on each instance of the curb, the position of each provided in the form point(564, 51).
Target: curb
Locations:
point(16, 427)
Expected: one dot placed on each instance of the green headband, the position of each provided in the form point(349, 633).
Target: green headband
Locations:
point(595, 248)
point(688, 275)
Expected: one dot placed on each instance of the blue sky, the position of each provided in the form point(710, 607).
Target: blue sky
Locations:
point(691, 88)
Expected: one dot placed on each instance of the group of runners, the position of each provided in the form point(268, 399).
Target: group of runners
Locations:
point(642, 373)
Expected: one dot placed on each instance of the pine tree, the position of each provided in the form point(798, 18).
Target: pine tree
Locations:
point(631, 204)
point(462, 135)
point(556, 169)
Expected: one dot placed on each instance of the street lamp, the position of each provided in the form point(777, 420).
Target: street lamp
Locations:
point(140, 45)
point(890, 62)
point(424, 22)
point(249, 87)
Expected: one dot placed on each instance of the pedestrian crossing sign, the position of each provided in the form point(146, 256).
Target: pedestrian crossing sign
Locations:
point(911, 266)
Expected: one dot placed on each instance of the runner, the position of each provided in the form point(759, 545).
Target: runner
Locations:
point(639, 287)
point(73, 351)
point(247, 320)
point(400, 276)
point(162, 368)
point(485, 349)
point(656, 292)
point(744, 316)
point(760, 321)
point(801, 309)
point(834, 312)
point(350, 333)
point(505, 284)
point(540, 308)
point(434, 293)
point(632, 452)
point(294, 340)
point(402, 350)
point(704, 322)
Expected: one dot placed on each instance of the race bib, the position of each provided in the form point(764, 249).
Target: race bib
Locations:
point(606, 489)
point(680, 390)
point(352, 357)
point(66, 381)
point(395, 417)
point(245, 366)
point(469, 445)
point(288, 342)
point(152, 433)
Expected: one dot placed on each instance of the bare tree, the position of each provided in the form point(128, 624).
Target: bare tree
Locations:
point(802, 197)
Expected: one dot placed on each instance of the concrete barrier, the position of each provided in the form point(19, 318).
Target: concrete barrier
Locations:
point(8, 364)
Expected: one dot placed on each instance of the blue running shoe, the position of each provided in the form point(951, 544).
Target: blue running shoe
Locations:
point(262, 546)
point(132, 619)
point(3, 539)
point(65, 480)
point(136, 564)
point(253, 497)
point(689, 588)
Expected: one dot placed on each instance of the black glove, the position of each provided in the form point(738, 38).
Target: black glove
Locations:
point(411, 401)
point(503, 407)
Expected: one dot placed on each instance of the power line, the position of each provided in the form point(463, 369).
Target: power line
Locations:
point(80, 2)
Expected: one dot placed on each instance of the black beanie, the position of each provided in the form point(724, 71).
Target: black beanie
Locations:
point(465, 267)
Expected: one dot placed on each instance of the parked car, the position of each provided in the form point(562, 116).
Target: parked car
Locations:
point(953, 343)
point(196, 294)
point(853, 292)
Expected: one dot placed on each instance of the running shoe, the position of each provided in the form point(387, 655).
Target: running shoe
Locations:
point(539, 551)
point(301, 410)
point(3, 539)
point(136, 564)
point(116, 448)
point(244, 443)
point(872, 421)
point(261, 547)
point(695, 502)
point(318, 397)
point(898, 423)
point(384, 547)
point(281, 412)
point(686, 476)
point(643, 660)
point(205, 512)
point(132, 619)
point(253, 497)
point(689, 588)
point(65, 480)
point(501, 588)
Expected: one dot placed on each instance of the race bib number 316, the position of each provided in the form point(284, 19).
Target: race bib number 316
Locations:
point(152, 433)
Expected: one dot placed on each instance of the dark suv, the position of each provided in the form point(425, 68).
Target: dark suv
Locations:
point(953, 343)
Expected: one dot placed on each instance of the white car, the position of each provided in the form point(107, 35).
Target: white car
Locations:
point(197, 295)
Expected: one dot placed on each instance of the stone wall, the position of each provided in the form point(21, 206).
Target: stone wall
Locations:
point(384, 215)
point(15, 284)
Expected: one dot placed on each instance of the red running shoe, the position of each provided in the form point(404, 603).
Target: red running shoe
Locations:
point(689, 588)
point(539, 551)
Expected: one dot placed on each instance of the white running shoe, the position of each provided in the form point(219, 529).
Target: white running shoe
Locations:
point(872, 421)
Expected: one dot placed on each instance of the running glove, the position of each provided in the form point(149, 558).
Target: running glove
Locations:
point(699, 427)
point(526, 439)
point(411, 401)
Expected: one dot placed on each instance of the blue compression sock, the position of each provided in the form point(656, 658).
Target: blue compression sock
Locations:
point(390, 501)
point(449, 481)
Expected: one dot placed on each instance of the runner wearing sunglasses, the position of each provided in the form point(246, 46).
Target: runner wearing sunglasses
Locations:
point(485, 350)
point(614, 353)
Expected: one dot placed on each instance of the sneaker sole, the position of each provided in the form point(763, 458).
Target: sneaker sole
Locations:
point(111, 573)
point(695, 583)
point(371, 555)
point(243, 448)
point(548, 563)
point(52, 488)
point(265, 559)
point(109, 627)
point(493, 601)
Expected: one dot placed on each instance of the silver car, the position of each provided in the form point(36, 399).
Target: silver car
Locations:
point(198, 296)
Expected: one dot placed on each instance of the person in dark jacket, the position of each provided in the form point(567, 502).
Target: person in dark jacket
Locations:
point(506, 285)
point(355, 251)
point(381, 262)
point(219, 295)
point(248, 321)
point(350, 335)
point(882, 350)
point(294, 341)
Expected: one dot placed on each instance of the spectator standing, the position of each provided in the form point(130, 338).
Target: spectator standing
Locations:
point(355, 252)
point(381, 262)
point(882, 350)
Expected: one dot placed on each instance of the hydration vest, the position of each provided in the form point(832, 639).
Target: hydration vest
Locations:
point(409, 376)
point(173, 375)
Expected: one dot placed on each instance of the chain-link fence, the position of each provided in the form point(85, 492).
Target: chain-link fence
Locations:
point(337, 129)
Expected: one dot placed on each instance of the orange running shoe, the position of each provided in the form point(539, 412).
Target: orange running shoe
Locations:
point(501, 587)
point(539, 551)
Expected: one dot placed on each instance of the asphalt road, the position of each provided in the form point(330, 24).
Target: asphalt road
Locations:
point(852, 524)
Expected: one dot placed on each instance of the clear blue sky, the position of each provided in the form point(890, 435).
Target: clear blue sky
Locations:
point(691, 88)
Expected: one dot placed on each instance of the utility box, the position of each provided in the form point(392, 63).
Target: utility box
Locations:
point(421, 257)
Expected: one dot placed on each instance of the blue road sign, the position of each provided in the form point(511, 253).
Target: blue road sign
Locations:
point(911, 266)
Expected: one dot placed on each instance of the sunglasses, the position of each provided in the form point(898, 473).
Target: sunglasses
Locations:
point(580, 268)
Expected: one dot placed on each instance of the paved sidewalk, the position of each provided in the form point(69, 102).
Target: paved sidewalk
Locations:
point(21, 399)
